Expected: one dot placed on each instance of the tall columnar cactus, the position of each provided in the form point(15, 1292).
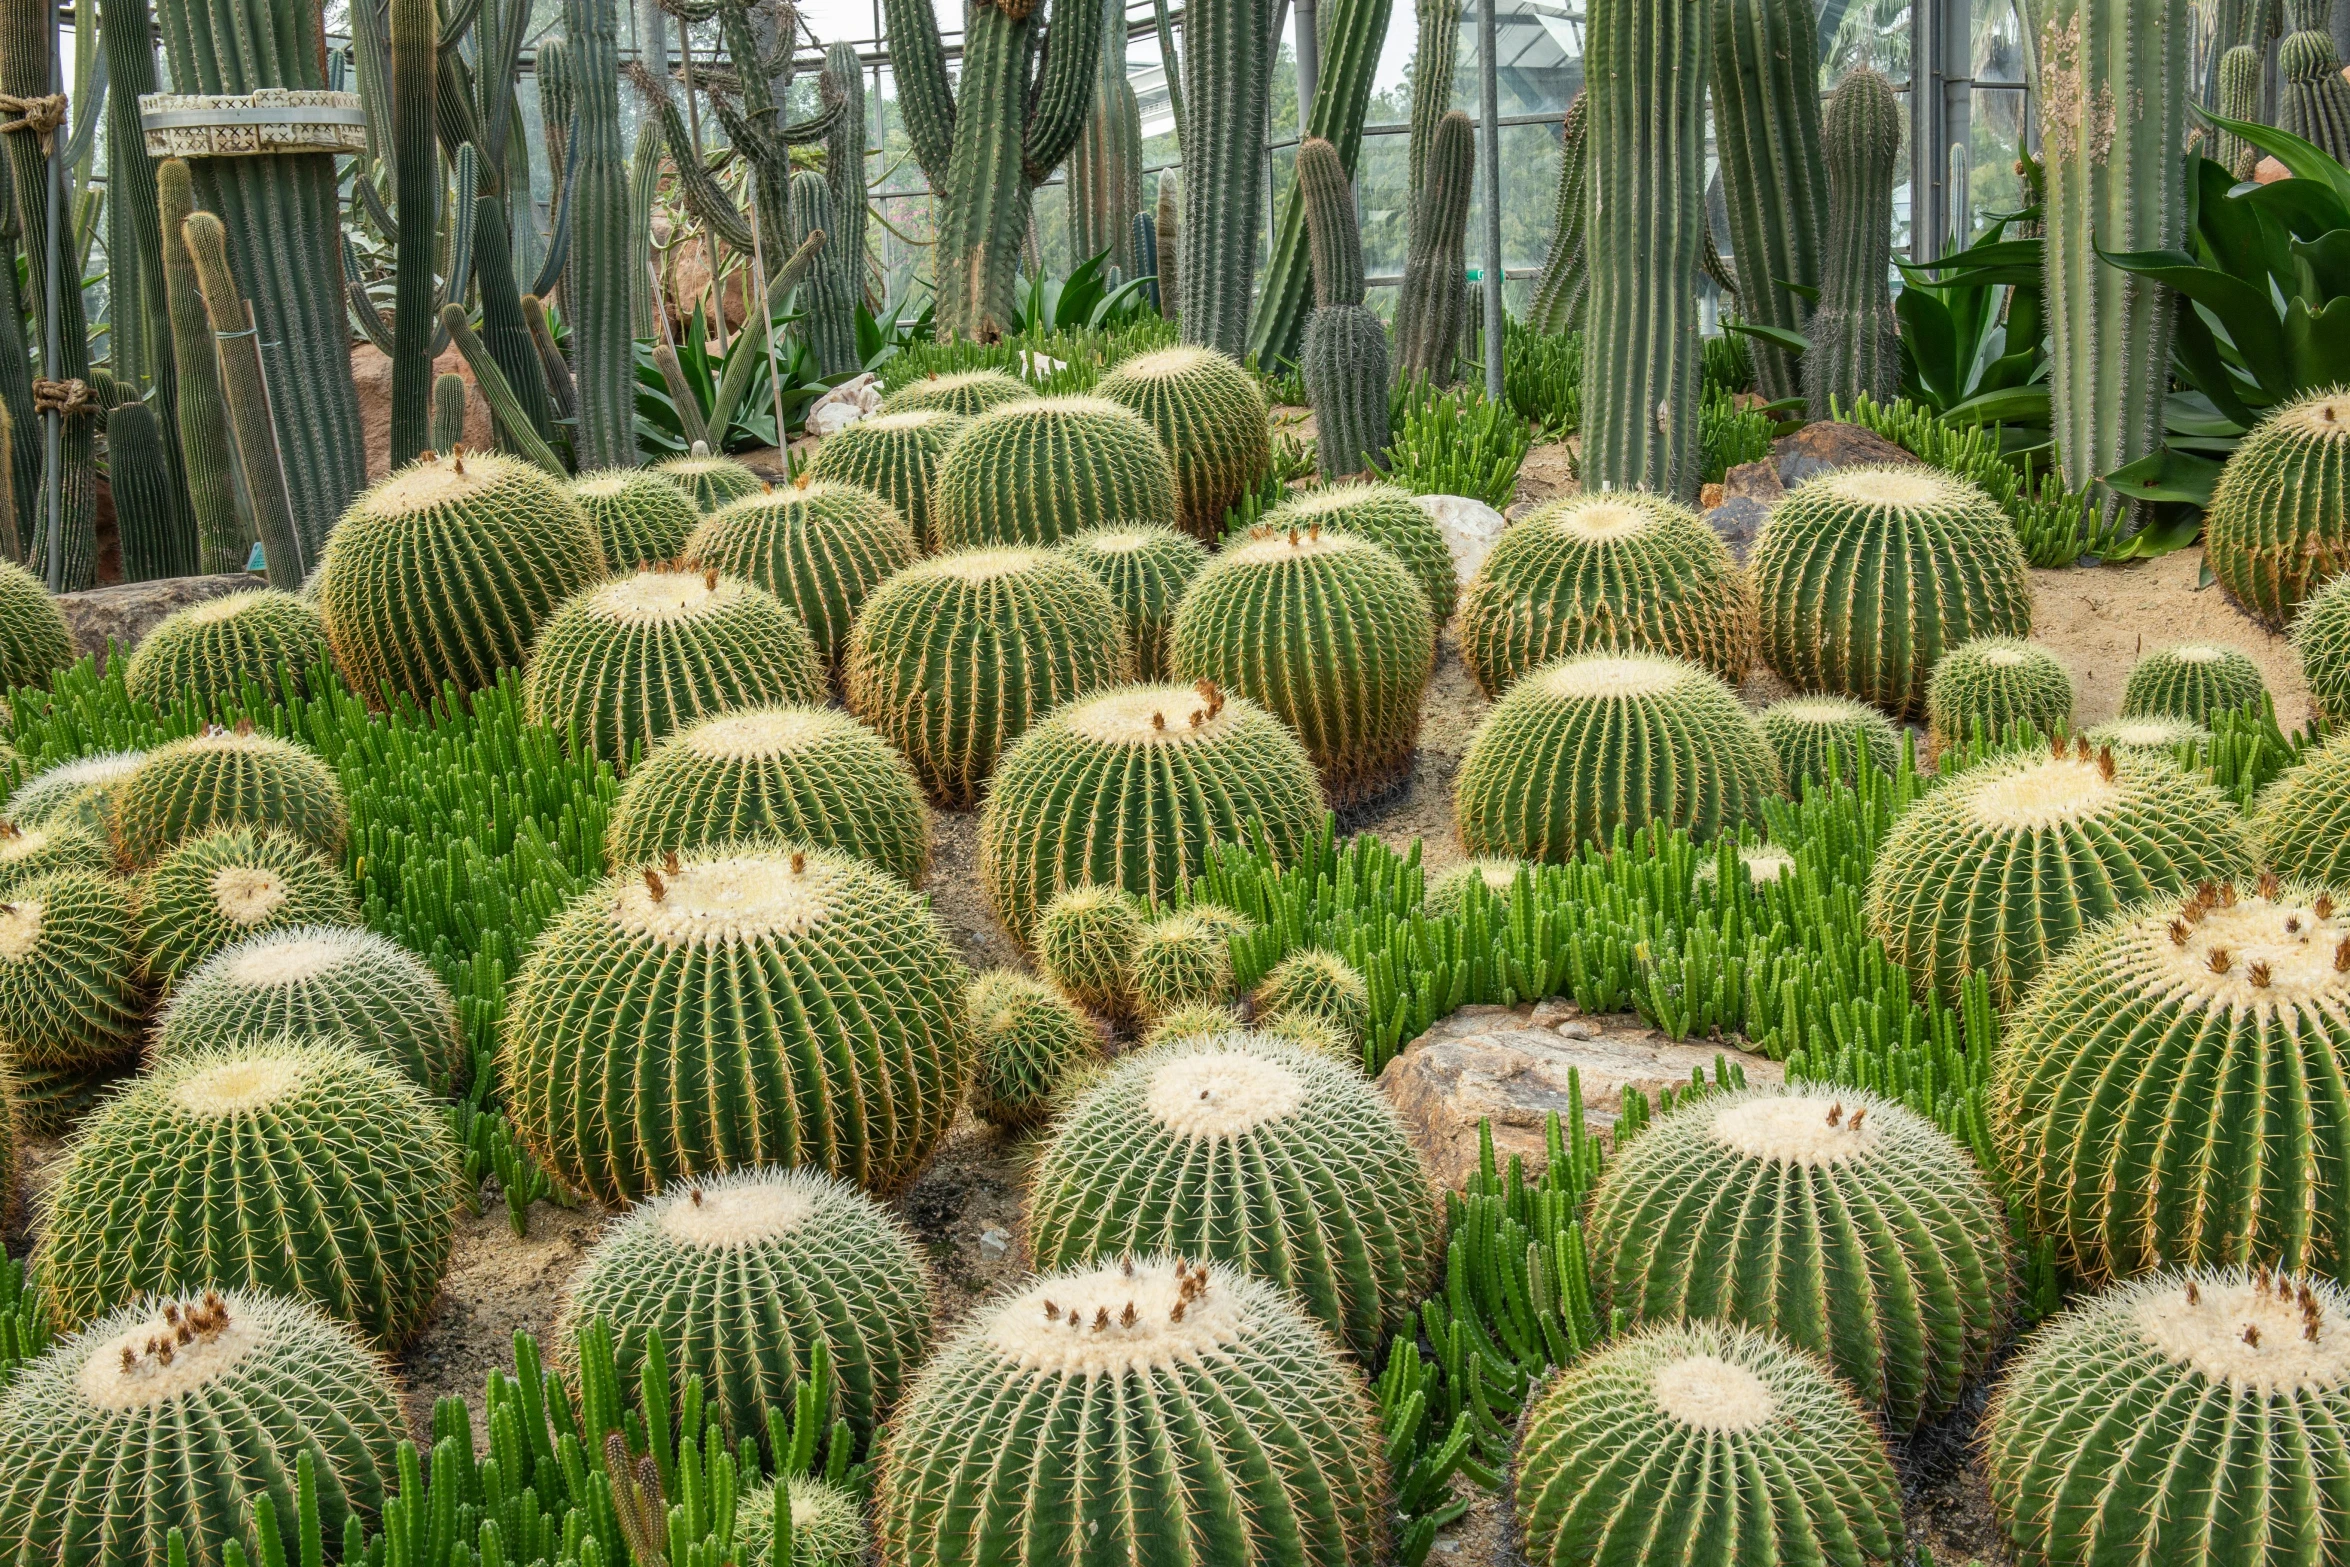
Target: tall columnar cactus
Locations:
point(414, 154)
point(1167, 229)
point(1767, 124)
point(277, 215)
point(1854, 350)
point(746, 1278)
point(1905, 1284)
point(346, 1180)
point(100, 1436)
point(988, 139)
point(1244, 1435)
point(16, 368)
point(1344, 359)
point(1227, 80)
point(150, 514)
point(289, 548)
point(844, 172)
point(1105, 164)
point(2177, 1419)
point(1432, 311)
point(2239, 100)
point(827, 293)
point(1645, 79)
point(2313, 99)
point(448, 412)
point(1231, 1148)
point(207, 448)
point(751, 1006)
point(1560, 291)
point(596, 287)
point(2110, 79)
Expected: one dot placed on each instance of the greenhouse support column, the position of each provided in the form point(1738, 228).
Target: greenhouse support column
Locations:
point(1940, 97)
point(1309, 61)
point(1489, 113)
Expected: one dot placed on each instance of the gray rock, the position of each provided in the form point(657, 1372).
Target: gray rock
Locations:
point(1827, 445)
point(1738, 520)
point(1504, 1065)
point(125, 613)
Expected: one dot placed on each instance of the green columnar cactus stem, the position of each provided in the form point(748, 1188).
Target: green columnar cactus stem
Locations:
point(1210, 414)
point(321, 981)
point(2239, 100)
point(820, 548)
point(1990, 685)
point(2110, 79)
point(2314, 102)
point(25, 28)
point(1352, 34)
point(1434, 58)
point(1767, 123)
point(596, 285)
point(896, 456)
point(753, 1006)
point(1559, 292)
point(1996, 871)
point(222, 887)
point(1086, 938)
point(1146, 254)
point(1243, 1434)
point(448, 412)
point(1854, 349)
point(149, 519)
point(225, 778)
point(1645, 78)
point(826, 298)
point(2179, 1419)
point(641, 517)
point(267, 1398)
point(1432, 310)
point(1599, 741)
point(1147, 571)
point(416, 173)
point(71, 994)
point(844, 171)
point(2192, 681)
point(1334, 235)
point(2279, 519)
point(213, 648)
point(990, 138)
point(558, 103)
point(1346, 367)
point(1105, 164)
point(506, 332)
point(278, 217)
point(207, 447)
point(2303, 819)
point(16, 369)
point(1045, 470)
point(1719, 1439)
point(2321, 639)
point(346, 1181)
point(1169, 230)
point(288, 548)
point(746, 1278)
point(644, 193)
point(1904, 1288)
point(2231, 999)
point(1255, 1153)
point(1811, 733)
point(1027, 1042)
point(1130, 789)
point(1226, 80)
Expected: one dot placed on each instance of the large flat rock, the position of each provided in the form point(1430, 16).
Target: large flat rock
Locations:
point(127, 611)
point(1511, 1065)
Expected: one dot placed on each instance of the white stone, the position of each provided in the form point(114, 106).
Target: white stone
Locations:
point(852, 400)
point(1469, 527)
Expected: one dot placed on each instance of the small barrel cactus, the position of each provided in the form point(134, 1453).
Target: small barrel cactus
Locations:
point(754, 1005)
point(1998, 869)
point(211, 649)
point(1272, 1159)
point(2303, 819)
point(78, 793)
point(1624, 571)
point(1449, 893)
point(225, 778)
point(2192, 681)
point(1086, 938)
point(1202, 1022)
point(810, 774)
point(345, 1176)
point(2279, 520)
point(1026, 1039)
point(711, 481)
point(35, 641)
point(1904, 1282)
point(102, 1438)
point(1599, 741)
point(1865, 577)
point(29, 853)
point(1210, 415)
point(639, 657)
point(1146, 570)
point(1183, 960)
point(222, 887)
point(1992, 685)
point(827, 1522)
point(71, 989)
point(1739, 1450)
point(314, 980)
point(955, 657)
point(443, 573)
point(1260, 1442)
point(51, 1100)
point(1045, 470)
point(2153, 737)
point(641, 516)
point(2321, 639)
point(1314, 982)
point(966, 394)
point(1816, 735)
point(1328, 632)
point(744, 1275)
point(2187, 1419)
point(2236, 1002)
point(821, 548)
point(1385, 515)
point(895, 455)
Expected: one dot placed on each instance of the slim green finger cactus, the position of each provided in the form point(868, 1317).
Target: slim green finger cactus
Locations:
point(1646, 81)
point(1767, 125)
point(1227, 78)
point(1854, 351)
point(1433, 309)
point(2110, 77)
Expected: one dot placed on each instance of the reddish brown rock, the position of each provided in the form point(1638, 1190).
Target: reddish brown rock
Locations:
point(371, 369)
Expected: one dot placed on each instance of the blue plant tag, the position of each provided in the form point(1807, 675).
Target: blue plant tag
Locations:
point(254, 562)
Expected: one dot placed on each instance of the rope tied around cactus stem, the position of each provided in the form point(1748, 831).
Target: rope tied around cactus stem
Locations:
point(64, 397)
point(41, 115)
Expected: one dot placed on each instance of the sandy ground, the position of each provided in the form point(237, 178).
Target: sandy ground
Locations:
point(967, 1206)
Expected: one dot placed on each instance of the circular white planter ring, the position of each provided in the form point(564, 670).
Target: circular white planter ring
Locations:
point(272, 122)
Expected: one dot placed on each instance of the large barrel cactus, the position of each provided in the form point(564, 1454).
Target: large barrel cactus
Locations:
point(1210, 414)
point(221, 887)
point(225, 778)
point(72, 990)
point(2279, 520)
point(1384, 514)
point(2303, 819)
point(1146, 570)
point(2193, 681)
point(895, 455)
point(822, 548)
point(211, 649)
point(1047, 469)
point(1991, 685)
point(1814, 734)
point(966, 394)
point(2321, 639)
point(641, 516)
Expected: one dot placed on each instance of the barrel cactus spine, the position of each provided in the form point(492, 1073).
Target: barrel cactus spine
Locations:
point(641, 516)
point(225, 886)
point(1855, 351)
point(1766, 100)
point(821, 548)
point(1991, 685)
point(213, 648)
point(1209, 413)
point(1027, 1041)
point(1045, 470)
point(895, 455)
